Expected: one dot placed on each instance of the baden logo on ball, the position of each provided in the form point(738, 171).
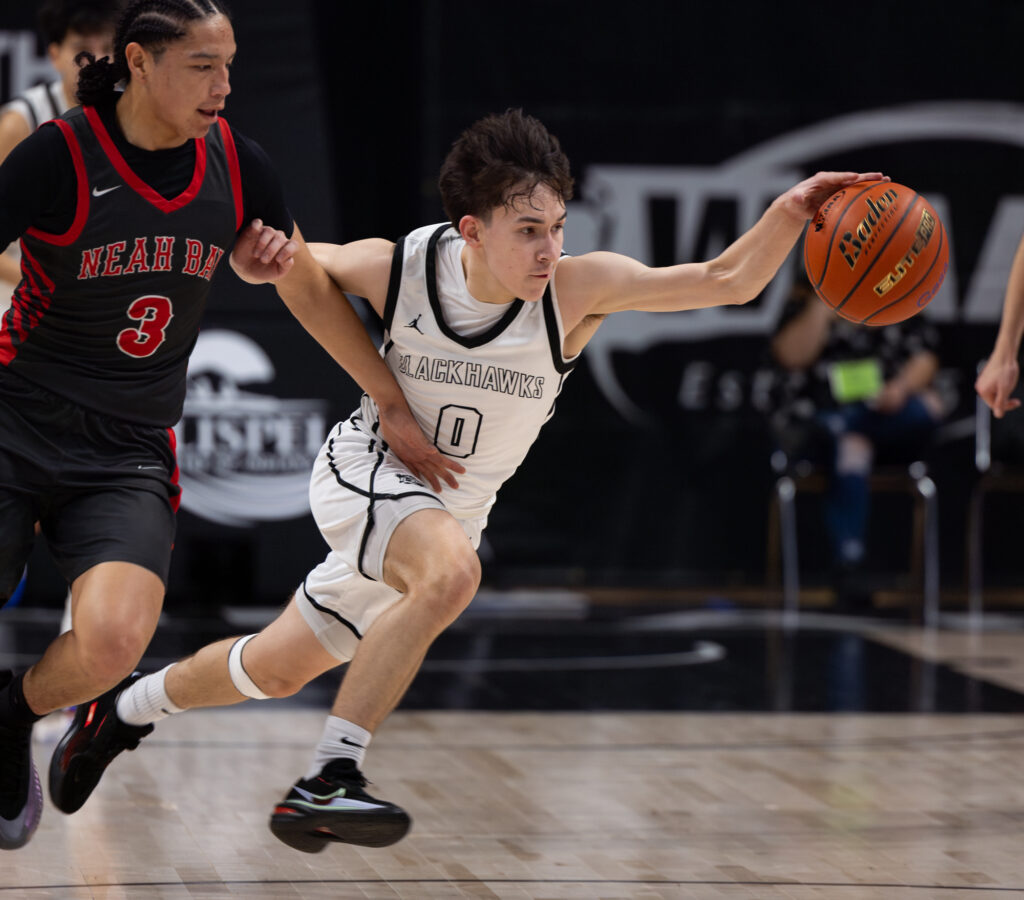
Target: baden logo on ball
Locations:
point(876, 252)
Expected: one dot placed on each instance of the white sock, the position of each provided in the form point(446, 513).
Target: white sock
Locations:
point(341, 739)
point(146, 700)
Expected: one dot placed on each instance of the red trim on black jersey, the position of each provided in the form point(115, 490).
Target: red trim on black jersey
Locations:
point(137, 184)
point(28, 305)
point(176, 499)
point(236, 173)
point(82, 200)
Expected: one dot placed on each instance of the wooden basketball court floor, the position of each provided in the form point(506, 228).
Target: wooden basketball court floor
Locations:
point(680, 754)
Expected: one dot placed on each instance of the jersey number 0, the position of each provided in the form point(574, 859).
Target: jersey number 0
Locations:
point(152, 314)
point(458, 428)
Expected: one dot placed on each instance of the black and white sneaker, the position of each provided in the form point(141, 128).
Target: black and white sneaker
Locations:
point(21, 795)
point(334, 807)
point(95, 737)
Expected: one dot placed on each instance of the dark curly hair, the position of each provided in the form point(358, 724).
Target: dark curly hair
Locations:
point(498, 161)
point(152, 23)
point(57, 17)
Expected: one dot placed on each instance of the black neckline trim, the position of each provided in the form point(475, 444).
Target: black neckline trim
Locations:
point(562, 366)
point(394, 283)
point(430, 274)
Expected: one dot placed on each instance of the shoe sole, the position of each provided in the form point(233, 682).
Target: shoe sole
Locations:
point(63, 783)
point(311, 832)
point(30, 817)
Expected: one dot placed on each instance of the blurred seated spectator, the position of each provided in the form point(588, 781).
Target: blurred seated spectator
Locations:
point(852, 396)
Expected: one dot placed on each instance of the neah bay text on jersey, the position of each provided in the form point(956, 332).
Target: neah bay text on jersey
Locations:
point(149, 254)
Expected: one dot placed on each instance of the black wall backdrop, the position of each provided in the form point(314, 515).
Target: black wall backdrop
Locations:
point(682, 122)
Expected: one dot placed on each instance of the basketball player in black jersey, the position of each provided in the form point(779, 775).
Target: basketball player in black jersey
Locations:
point(125, 207)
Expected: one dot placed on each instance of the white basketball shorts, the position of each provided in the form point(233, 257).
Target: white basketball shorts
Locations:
point(358, 495)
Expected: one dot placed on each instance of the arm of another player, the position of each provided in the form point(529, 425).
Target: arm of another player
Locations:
point(263, 254)
point(13, 130)
point(998, 378)
point(610, 282)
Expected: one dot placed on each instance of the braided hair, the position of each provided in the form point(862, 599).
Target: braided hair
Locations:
point(152, 23)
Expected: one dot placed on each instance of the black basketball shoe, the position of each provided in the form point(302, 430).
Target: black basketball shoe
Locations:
point(96, 735)
point(21, 795)
point(334, 807)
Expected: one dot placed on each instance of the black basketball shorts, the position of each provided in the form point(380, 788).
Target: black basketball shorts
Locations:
point(101, 489)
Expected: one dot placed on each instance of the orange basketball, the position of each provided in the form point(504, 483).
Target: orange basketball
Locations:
point(876, 252)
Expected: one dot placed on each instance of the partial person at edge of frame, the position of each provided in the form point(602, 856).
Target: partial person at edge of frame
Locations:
point(67, 27)
point(999, 376)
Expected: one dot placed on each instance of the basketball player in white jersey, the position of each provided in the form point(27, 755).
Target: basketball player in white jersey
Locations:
point(68, 27)
point(483, 320)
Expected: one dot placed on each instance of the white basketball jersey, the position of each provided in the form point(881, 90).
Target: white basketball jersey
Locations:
point(36, 105)
point(480, 397)
point(39, 103)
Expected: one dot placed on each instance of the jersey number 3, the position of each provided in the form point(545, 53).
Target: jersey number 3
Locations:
point(152, 314)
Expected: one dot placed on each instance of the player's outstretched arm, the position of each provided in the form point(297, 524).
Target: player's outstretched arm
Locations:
point(262, 254)
point(999, 377)
point(612, 282)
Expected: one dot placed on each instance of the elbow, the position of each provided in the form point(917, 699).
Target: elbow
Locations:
point(732, 289)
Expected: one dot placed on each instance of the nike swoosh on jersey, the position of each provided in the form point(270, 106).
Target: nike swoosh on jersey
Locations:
point(96, 192)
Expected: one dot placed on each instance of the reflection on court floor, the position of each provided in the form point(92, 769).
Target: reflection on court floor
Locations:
point(590, 754)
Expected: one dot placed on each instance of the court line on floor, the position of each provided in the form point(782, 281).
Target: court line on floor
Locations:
point(910, 742)
point(484, 882)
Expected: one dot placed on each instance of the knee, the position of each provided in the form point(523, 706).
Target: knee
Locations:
point(261, 675)
point(449, 586)
point(108, 658)
point(277, 683)
point(855, 453)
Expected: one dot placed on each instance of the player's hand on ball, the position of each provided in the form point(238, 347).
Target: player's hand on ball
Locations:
point(803, 199)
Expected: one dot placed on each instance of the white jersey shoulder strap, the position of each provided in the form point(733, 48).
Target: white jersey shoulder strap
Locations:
point(40, 103)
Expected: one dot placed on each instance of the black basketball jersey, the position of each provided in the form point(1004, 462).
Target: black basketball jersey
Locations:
point(107, 313)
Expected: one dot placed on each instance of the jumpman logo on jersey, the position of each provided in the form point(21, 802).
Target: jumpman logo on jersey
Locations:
point(415, 323)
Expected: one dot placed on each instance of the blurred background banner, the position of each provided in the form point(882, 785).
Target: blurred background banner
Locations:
point(682, 122)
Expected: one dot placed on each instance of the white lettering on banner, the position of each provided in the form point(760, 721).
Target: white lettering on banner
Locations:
point(244, 457)
point(27, 67)
point(615, 215)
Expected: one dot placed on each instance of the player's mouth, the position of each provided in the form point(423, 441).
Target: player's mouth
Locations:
point(210, 114)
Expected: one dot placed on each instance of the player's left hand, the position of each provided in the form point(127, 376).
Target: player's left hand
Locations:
point(996, 382)
point(406, 440)
point(803, 200)
point(262, 253)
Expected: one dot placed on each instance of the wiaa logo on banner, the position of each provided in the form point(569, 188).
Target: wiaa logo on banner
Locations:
point(244, 457)
point(615, 214)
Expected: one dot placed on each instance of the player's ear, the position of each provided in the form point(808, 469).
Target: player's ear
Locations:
point(470, 227)
point(136, 58)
